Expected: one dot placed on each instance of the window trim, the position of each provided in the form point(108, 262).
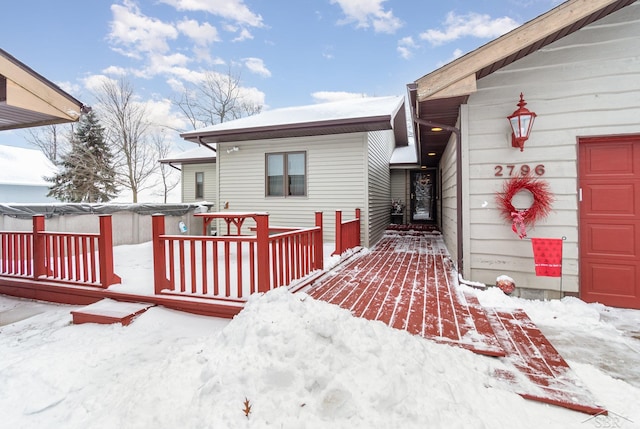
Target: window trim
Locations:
point(285, 176)
point(201, 195)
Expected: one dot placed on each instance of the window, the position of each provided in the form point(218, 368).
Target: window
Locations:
point(286, 174)
point(199, 184)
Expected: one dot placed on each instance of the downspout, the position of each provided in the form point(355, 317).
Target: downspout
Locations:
point(201, 143)
point(456, 131)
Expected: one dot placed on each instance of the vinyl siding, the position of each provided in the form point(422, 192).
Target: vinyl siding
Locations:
point(189, 182)
point(336, 176)
point(381, 144)
point(586, 84)
point(401, 189)
point(448, 202)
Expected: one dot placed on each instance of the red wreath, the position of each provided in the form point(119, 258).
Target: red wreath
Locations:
point(541, 207)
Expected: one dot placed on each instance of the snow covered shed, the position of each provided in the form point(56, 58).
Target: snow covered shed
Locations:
point(22, 173)
point(578, 66)
point(292, 162)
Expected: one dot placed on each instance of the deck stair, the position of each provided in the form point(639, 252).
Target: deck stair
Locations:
point(109, 311)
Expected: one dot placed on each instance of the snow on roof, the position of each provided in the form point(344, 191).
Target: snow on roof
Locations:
point(21, 166)
point(197, 153)
point(365, 107)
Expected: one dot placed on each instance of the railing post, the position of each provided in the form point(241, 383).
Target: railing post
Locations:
point(358, 228)
point(339, 249)
point(318, 245)
point(160, 280)
point(105, 253)
point(262, 250)
point(39, 265)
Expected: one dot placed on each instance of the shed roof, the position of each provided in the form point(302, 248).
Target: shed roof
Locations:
point(346, 116)
point(27, 99)
point(21, 166)
point(436, 97)
point(197, 155)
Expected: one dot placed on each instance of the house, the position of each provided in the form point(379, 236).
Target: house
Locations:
point(198, 175)
point(292, 162)
point(578, 68)
point(22, 173)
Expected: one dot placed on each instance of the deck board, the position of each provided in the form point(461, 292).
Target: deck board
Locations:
point(408, 282)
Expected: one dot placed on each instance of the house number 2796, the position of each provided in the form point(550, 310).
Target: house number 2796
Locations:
point(511, 169)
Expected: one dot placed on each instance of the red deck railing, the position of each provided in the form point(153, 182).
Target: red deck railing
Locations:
point(234, 266)
point(347, 233)
point(74, 258)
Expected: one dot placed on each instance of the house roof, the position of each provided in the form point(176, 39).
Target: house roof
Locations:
point(346, 116)
point(27, 99)
point(436, 97)
point(20, 166)
point(197, 155)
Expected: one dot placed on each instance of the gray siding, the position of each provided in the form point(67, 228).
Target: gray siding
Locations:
point(189, 182)
point(401, 189)
point(586, 84)
point(448, 202)
point(381, 144)
point(336, 179)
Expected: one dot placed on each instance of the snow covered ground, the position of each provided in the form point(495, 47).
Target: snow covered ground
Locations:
point(297, 363)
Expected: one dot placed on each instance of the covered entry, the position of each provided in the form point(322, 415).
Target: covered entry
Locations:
point(610, 220)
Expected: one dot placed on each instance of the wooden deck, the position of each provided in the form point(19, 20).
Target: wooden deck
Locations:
point(408, 282)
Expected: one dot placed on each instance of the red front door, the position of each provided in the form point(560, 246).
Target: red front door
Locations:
point(610, 220)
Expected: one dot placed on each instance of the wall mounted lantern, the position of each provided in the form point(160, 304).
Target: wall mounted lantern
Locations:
point(521, 122)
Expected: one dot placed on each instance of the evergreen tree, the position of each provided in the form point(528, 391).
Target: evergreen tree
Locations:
point(86, 173)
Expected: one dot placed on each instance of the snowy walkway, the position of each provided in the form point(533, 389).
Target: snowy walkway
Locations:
point(408, 282)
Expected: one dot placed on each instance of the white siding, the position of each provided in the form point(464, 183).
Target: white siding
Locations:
point(401, 189)
point(381, 144)
point(448, 214)
point(189, 182)
point(336, 175)
point(585, 84)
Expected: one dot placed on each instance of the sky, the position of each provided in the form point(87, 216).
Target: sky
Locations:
point(298, 362)
point(287, 53)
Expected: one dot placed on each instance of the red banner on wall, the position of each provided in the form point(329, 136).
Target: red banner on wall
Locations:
point(547, 256)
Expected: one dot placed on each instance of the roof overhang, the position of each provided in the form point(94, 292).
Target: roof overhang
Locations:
point(291, 130)
point(436, 97)
point(27, 99)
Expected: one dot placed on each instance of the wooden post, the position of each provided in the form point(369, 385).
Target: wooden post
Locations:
point(262, 250)
point(160, 280)
point(105, 253)
point(339, 249)
point(318, 244)
point(358, 228)
point(39, 263)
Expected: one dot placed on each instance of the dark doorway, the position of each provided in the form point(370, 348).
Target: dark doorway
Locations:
point(423, 196)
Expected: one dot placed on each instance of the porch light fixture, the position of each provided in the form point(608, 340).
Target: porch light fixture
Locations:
point(233, 149)
point(436, 129)
point(521, 122)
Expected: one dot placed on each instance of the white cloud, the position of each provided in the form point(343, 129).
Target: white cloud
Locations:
point(472, 24)
point(369, 13)
point(115, 71)
point(133, 33)
point(201, 34)
point(95, 82)
point(327, 96)
point(256, 65)
point(406, 45)
point(234, 10)
point(243, 35)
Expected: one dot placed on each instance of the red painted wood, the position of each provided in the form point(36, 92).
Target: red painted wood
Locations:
point(550, 379)
point(609, 223)
point(347, 233)
point(406, 281)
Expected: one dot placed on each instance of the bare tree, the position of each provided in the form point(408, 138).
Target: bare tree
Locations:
point(218, 98)
point(52, 140)
point(128, 132)
point(167, 178)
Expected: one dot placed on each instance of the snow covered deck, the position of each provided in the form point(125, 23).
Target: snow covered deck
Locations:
point(408, 282)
